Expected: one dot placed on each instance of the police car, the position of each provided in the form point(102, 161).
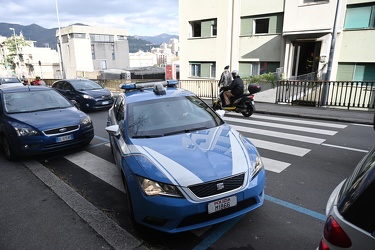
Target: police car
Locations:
point(183, 167)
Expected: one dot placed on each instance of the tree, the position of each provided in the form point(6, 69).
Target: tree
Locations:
point(14, 45)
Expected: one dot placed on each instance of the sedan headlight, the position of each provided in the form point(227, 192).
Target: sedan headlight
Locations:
point(258, 165)
point(24, 129)
point(152, 188)
point(86, 121)
point(88, 97)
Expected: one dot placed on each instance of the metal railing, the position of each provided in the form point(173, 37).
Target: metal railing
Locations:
point(353, 94)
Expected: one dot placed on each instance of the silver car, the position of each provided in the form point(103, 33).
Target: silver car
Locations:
point(10, 82)
point(350, 210)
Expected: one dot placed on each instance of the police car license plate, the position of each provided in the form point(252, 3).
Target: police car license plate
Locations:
point(105, 103)
point(64, 138)
point(219, 205)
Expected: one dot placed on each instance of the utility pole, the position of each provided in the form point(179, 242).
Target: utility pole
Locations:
point(324, 97)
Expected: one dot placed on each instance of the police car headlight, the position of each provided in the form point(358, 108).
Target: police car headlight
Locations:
point(258, 166)
point(152, 188)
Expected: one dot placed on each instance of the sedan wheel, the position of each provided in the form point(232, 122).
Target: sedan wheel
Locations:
point(7, 149)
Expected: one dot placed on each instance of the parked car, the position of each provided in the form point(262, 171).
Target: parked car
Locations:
point(10, 82)
point(36, 120)
point(88, 94)
point(350, 210)
point(183, 167)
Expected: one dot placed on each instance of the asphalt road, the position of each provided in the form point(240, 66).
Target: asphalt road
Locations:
point(304, 158)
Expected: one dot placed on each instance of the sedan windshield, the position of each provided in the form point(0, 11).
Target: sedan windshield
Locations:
point(30, 101)
point(168, 116)
point(85, 85)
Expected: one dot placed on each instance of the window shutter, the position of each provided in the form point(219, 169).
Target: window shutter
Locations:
point(246, 26)
point(206, 28)
point(345, 72)
point(205, 70)
point(244, 69)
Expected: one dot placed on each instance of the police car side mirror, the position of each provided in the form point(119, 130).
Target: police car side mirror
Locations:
point(113, 130)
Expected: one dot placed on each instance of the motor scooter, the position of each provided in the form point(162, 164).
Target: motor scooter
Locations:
point(243, 104)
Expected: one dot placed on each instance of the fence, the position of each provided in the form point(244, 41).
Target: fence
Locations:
point(327, 93)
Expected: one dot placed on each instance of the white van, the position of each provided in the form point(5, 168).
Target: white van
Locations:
point(10, 82)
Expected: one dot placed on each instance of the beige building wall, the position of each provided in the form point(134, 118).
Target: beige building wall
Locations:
point(78, 52)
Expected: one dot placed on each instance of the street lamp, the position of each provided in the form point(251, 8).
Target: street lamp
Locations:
point(15, 42)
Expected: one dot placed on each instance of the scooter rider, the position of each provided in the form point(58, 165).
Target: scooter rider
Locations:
point(234, 90)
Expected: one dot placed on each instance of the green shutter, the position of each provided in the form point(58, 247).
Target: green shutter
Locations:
point(246, 26)
point(206, 28)
point(272, 25)
point(245, 69)
point(205, 70)
point(279, 23)
point(368, 72)
point(345, 72)
point(358, 17)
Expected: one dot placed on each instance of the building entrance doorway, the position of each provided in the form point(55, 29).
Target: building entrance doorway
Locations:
point(305, 59)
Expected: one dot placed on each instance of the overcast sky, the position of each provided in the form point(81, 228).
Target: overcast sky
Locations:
point(138, 17)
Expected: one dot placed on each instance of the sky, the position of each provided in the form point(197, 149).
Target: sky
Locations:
point(138, 17)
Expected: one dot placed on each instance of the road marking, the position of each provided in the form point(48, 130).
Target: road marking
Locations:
point(309, 122)
point(274, 165)
point(283, 126)
point(278, 147)
point(347, 148)
point(99, 167)
point(282, 135)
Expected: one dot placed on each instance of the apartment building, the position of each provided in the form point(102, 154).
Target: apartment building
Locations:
point(323, 38)
point(86, 50)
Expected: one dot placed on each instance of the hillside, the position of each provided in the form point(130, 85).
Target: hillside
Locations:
point(46, 37)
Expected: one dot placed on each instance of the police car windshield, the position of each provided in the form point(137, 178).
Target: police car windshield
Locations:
point(168, 116)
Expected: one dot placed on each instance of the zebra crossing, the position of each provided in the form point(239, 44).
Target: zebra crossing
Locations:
point(269, 127)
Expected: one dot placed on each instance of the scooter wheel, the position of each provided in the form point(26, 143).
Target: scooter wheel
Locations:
point(216, 106)
point(249, 111)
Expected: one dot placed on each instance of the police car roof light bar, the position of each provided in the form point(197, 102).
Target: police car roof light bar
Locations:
point(143, 85)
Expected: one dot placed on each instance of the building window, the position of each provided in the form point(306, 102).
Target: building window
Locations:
point(121, 37)
point(203, 69)
point(314, 1)
point(204, 28)
point(92, 51)
point(195, 70)
point(360, 17)
point(270, 24)
point(356, 72)
point(113, 51)
point(64, 38)
point(261, 25)
point(77, 35)
point(102, 38)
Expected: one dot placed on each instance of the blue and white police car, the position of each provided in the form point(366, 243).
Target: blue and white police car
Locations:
point(183, 167)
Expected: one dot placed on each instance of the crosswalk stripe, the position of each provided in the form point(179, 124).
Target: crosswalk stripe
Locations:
point(282, 135)
point(282, 126)
point(278, 147)
point(290, 120)
point(274, 165)
point(99, 167)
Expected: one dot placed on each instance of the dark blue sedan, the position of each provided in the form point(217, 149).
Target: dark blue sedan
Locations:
point(36, 120)
point(88, 94)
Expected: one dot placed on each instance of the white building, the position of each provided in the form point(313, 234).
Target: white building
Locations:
point(294, 36)
point(34, 61)
point(166, 53)
point(87, 50)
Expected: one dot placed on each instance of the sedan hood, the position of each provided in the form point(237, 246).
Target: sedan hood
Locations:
point(49, 119)
point(97, 93)
point(197, 157)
